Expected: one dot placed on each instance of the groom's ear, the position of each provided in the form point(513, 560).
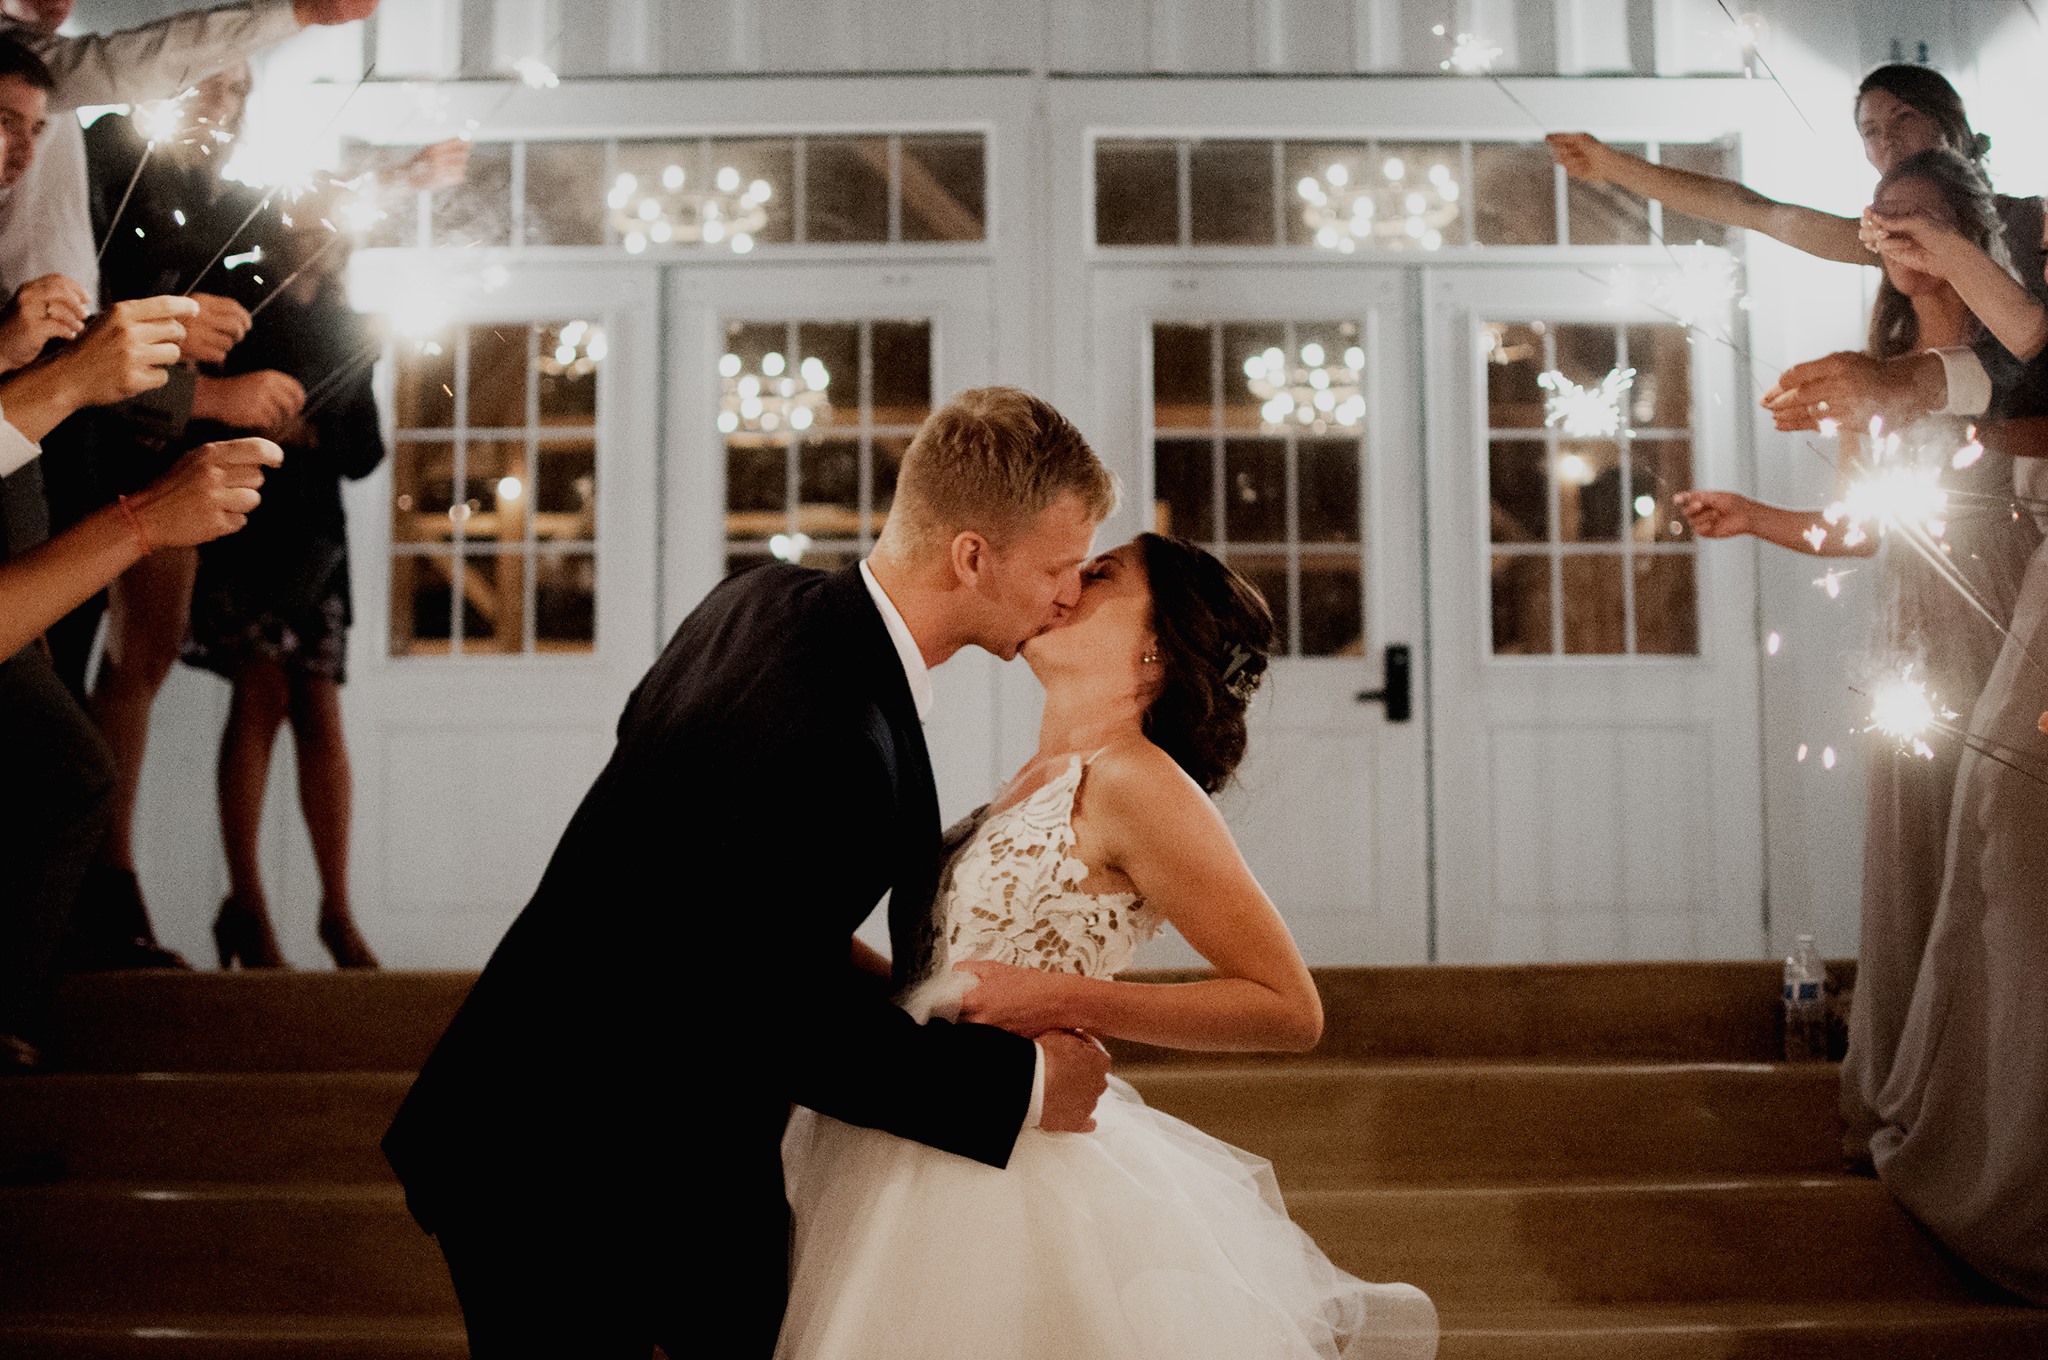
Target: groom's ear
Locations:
point(968, 553)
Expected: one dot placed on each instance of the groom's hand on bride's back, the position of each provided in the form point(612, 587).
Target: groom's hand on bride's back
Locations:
point(1076, 1075)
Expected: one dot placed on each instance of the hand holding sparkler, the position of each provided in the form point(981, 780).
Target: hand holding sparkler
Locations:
point(122, 354)
point(207, 493)
point(440, 166)
point(1584, 156)
point(1850, 387)
point(52, 307)
point(1717, 514)
point(217, 328)
point(314, 13)
point(266, 400)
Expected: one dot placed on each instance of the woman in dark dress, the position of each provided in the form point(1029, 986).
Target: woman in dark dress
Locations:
point(270, 610)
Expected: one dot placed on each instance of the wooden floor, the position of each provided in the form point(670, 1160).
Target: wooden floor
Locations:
point(1577, 1162)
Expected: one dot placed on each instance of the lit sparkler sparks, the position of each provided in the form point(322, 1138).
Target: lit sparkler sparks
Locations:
point(163, 120)
point(1968, 453)
point(1471, 54)
point(1893, 492)
point(1585, 412)
point(1830, 581)
point(1905, 710)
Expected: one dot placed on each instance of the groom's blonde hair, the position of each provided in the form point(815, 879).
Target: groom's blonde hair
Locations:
point(991, 460)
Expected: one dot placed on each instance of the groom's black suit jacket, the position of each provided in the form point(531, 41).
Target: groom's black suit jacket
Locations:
point(682, 974)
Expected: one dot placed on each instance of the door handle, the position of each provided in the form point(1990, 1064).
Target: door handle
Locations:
point(1397, 691)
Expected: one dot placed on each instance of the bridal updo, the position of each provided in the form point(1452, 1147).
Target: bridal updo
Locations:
point(1215, 630)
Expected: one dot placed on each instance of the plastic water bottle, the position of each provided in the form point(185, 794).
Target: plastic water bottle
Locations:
point(1806, 1005)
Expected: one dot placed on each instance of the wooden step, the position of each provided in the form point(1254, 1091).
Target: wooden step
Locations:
point(1763, 1239)
point(1858, 1331)
point(1326, 1126)
point(389, 1021)
point(84, 1246)
point(1344, 1125)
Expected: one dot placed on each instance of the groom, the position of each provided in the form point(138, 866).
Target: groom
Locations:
point(595, 1142)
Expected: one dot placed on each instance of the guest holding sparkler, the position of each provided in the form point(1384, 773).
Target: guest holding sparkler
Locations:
point(271, 607)
point(1919, 630)
point(1901, 110)
point(1967, 1100)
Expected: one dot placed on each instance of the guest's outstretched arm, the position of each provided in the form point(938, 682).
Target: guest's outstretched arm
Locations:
point(2011, 313)
point(1823, 234)
point(1152, 823)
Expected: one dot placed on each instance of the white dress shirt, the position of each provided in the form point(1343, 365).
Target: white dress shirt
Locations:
point(45, 219)
point(920, 677)
point(1969, 386)
point(16, 448)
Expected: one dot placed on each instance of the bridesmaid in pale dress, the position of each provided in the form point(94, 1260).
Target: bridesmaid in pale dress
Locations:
point(1920, 623)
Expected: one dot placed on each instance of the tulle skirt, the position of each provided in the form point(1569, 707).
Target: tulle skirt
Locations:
point(1144, 1240)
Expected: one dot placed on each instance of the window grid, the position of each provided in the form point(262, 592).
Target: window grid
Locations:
point(459, 551)
point(1285, 202)
point(866, 430)
point(1291, 550)
point(1555, 550)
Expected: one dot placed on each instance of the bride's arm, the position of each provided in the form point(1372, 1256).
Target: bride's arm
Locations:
point(1160, 830)
point(869, 960)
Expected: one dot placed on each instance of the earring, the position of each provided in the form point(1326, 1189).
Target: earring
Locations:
point(1148, 658)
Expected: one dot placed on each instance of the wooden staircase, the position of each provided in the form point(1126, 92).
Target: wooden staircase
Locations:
point(1577, 1162)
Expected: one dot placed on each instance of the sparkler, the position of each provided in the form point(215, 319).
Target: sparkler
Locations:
point(1905, 710)
point(159, 122)
point(1585, 412)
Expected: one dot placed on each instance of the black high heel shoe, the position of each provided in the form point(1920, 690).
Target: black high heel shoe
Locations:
point(242, 933)
point(345, 943)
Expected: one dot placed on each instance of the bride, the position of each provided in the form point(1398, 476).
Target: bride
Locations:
point(1144, 1237)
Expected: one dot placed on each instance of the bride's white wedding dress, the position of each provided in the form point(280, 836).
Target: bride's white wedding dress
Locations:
point(1145, 1238)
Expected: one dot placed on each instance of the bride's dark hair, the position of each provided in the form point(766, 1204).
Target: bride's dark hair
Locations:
point(1214, 630)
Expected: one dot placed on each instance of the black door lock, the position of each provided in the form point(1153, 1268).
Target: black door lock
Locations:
point(1398, 693)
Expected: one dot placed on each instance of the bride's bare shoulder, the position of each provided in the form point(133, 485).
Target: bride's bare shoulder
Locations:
point(1132, 779)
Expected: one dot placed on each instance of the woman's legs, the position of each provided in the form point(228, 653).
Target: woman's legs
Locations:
point(146, 614)
point(326, 790)
point(261, 700)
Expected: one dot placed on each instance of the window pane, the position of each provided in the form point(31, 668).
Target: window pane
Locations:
point(425, 386)
point(565, 193)
point(565, 602)
point(495, 492)
point(422, 489)
point(420, 596)
point(756, 486)
point(826, 366)
point(396, 218)
point(1667, 605)
point(846, 189)
point(1416, 195)
point(565, 490)
point(1521, 605)
point(1586, 354)
point(1702, 158)
point(887, 456)
point(1137, 194)
point(1322, 183)
point(1658, 470)
point(493, 602)
point(1588, 491)
point(1662, 395)
point(828, 487)
point(477, 211)
point(568, 357)
point(1243, 341)
point(1181, 378)
point(497, 375)
point(1515, 201)
point(1514, 360)
point(902, 389)
point(1255, 490)
point(1324, 392)
point(660, 193)
point(1231, 193)
point(1594, 617)
point(1183, 478)
point(1606, 214)
point(943, 189)
point(1267, 571)
point(1332, 613)
point(763, 174)
point(1519, 484)
point(1326, 478)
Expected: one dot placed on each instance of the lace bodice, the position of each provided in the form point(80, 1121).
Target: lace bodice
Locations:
point(1012, 893)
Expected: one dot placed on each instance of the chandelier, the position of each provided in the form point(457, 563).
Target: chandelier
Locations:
point(1395, 208)
point(774, 398)
point(578, 349)
point(1318, 393)
point(664, 212)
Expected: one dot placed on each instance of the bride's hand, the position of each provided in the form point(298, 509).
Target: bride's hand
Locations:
point(1026, 1001)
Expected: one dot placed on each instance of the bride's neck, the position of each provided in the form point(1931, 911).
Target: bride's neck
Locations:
point(1085, 714)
